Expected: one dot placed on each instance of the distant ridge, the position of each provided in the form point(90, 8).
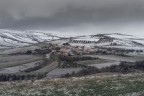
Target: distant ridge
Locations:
point(11, 38)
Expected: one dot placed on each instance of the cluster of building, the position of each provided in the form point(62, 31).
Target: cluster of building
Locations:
point(68, 50)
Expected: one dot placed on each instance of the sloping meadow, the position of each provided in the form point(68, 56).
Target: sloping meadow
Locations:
point(99, 85)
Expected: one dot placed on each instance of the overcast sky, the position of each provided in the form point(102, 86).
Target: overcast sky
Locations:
point(73, 16)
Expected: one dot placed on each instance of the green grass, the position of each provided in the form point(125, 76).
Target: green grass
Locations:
point(91, 86)
point(109, 88)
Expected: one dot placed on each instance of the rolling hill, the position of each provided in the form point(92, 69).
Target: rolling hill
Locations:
point(12, 39)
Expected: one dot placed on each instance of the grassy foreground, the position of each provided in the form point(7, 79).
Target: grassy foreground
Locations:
point(99, 85)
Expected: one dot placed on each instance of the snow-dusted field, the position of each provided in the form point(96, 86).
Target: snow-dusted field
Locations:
point(18, 69)
point(19, 49)
point(11, 38)
point(11, 61)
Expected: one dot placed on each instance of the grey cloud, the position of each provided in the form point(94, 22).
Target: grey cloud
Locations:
point(57, 14)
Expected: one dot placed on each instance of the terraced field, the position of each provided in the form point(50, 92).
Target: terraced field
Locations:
point(17, 63)
point(10, 61)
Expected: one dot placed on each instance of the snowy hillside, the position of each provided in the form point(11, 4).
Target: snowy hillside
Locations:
point(18, 39)
point(116, 40)
point(10, 38)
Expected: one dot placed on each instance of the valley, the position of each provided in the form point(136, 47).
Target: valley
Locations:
point(55, 56)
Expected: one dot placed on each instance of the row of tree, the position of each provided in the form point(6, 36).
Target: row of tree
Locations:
point(13, 77)
point(76, 58)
